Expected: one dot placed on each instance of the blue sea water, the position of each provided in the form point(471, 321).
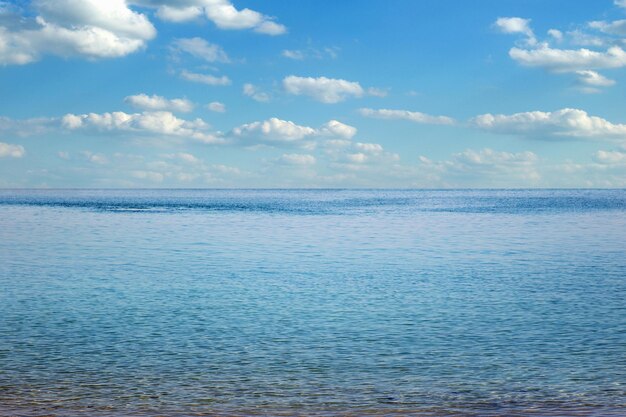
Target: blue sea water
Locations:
point(313, 302)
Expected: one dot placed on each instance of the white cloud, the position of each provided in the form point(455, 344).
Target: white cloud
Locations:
point(220, 12)
point(201, 49)
point(412, 116)
point(184, 157)
point(26, 127)
point(373, 148)
point(620, 3)
point(591, 80)
point(311, 52)
point(297, 159)
point(255, 93)
point(561, 124)
point(490, 167)
point(216, 106)
point(581, 61)
point(325, 90)
point(178, 14)
point(556, 34)
point(148, 175)
point(154, 102)
point(617, 27)
point(610, 157)
point(516, 25)
point(293, 54)
point(567, 60)
point(205, 78)
point(337, 129)
point(63, 155)
point(95, 158)
point(89, 28)
point(275, 130)
point(156, 122)
point(8, 150)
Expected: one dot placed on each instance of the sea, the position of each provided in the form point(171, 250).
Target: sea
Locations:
point(312, 303)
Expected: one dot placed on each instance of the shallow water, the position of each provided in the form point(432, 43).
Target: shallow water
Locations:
point(318, 302)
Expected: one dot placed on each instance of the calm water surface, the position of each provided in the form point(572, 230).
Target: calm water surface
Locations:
point(329, 302)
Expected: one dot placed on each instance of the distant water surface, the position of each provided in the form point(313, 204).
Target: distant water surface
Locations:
point(313, 302)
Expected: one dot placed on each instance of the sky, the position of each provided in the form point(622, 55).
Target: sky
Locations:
point(312, 93)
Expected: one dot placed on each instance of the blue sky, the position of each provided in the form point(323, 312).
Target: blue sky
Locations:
point(309, 93)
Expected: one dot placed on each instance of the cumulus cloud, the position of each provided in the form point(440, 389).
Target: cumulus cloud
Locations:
point(8, 150)
point(153, 122)
point(610, 157)
point(88, 28)
point(492, 167)
point(252, 91)
point(276, 131)
point(154, 102)
point(216, 106)
point(325, 90)
point(337, 129)
point(568, 60)
point(572, 123)
point(412, 116)
point(200, 48)
point(591, 81)
point(616, 27)
point(516, 25)
point(606, 52)
point(221, 12)
point(178, 14)
point(205, 78)
point(297, 159)
point(183, 157)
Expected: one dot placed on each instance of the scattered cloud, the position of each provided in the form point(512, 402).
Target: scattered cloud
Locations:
point(311, 53)
point(297, 159)
point(8, 150)
point(201, 49)
point(154, 102)
point(148, 175)
point(617, 157)
point(216, 106)
point(569, 60)
point(591, 81)
point(337, 129)
point(293, 54)
point(66, 28)
point(252, 91)
point(322, 89)
point(516, 25)
point(151, 122)
point(205, 78)
point(493, 168)
point(95, 158)
point(412, 116)
point(565, 123)
point(599, 51)
point(274, 130)
point(616, 27)
point(277, 131)
point(183, 157)
point(220, 12)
